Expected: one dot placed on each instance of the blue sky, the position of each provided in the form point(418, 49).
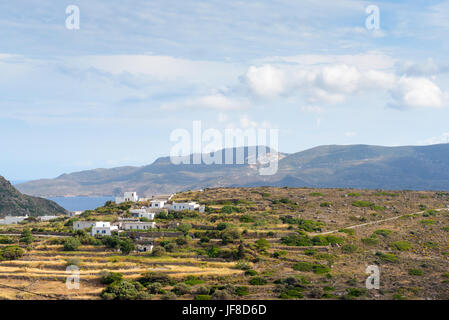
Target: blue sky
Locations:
point(110, 93)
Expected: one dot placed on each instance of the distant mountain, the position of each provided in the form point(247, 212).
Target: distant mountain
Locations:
point(13, 203)
point(351, 166)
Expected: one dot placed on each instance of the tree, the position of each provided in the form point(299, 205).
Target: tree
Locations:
point(185, 228)
point(126, 246)
point(262, 244)
point(71, 244)
point(27, 236)
point(11, 252)
point(110, 277)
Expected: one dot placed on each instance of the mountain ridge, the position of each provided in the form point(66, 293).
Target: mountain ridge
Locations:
point(328, 166)
point(14, 203)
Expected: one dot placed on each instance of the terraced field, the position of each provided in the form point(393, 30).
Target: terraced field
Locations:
point(255, 243)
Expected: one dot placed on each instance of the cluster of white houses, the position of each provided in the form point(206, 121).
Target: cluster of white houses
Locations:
point(18, 219)
point(100, 228)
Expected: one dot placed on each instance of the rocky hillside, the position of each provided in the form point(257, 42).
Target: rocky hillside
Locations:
point(334, 166)
point(14, 203)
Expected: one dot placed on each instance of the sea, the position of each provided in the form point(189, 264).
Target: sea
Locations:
point(80, 203)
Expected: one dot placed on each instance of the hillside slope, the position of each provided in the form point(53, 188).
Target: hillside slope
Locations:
point(352, 166)
point(12, 202)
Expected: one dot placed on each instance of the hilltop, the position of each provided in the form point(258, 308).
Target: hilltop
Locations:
point(14, 203)
point(334, 166)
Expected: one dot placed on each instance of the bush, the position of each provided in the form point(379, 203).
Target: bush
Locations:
point(415, 272)
point(181, 289)
point(246, 218)
point(258, 281)
point(325, 204)
point(349, 248)
point(401, 245)
point(11, 252)
point(123, 290)
point(158, 251)
point(355, 292)
point(151, 277)
point(242, 291)
point(383, 232)
point(71, 244)
point(126, 246)
point(155, 288)
point(370, 241)
point(192, 280)
point(387, 257)
point(262, 244)
point(250, 272)
point(110, 277)
point(27, 237)
point(303, 266)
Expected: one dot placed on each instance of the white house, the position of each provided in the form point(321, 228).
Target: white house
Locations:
point(157, 204)
point(144, 247)
point(138, 225)
point(74, 213)
point(103, 229)
point(142, 213)
point(80, 225)
point(175, 206)
point(48, 218)
point(13, 219)
point(127, 196)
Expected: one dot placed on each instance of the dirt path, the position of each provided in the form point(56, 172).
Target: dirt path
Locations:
point(372, 222)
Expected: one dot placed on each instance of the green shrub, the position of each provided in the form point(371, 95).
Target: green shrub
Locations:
point(402, 245)
point(354, 194)
point(387, 257)
point(262, 244)
point(181, 289)
point(242, 291)
point(325, 204)
point(250, 272)
point(192, 280)
point(349, 248)
point(356, 292)
point(11, 252)
point(258, 281)
point(383, 232)
point(71, 244)
point(303, 266)
point(415, 272)
point(110, 277)
point(315, 194)
point(370, 241)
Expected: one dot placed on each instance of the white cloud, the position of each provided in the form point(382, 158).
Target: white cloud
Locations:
point(444, 138)
point(412, 92)
point(350, 134)
point(266, 81)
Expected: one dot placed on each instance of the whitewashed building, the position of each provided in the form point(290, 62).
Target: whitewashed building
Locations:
point(48, 218)
point(179, 206)
point(13, 219)
point(103, 229)
point(138, 225)
point(127, 196)
point(142, 213)
point(157, 204)
point(74, 213)
point(80, 225)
